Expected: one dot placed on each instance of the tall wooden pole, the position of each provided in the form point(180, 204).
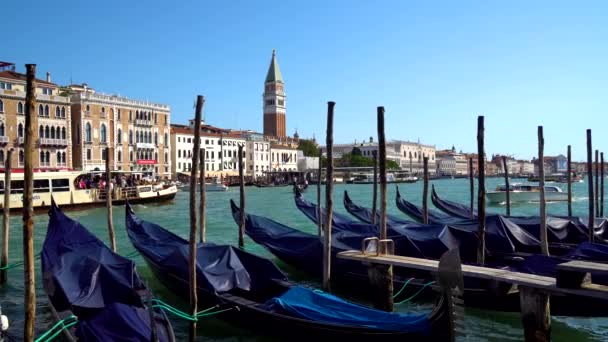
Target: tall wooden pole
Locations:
point(242, 198)
point(329, 202)
point(6, 215)
point(591, 222)
point(375, 189)
point(425, 191)
point(28, 206)
point(597, 184)
point(481, 192)
point(319, 180)
point(109, 199)
point(504, 165)
point(602, 184)
point(192, 245)
point(203, 198)
point(569, 181)
point(472, 186)
point(544, 243)
point(381, 276)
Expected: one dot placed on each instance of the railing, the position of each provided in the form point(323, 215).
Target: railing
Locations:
point(124, 100)
point(145, 145)
point(143, 122)
point(3, 140)
point(53, 142)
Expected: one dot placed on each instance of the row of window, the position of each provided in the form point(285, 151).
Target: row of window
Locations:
point(145, 155)
point(45, 132)
point(45, 158)
point(43, 110)
point(40, 186)
point(6, 85)
point(143, 115)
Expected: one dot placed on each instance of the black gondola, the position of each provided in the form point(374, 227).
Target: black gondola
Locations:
point(82, 277)
point(224, 280)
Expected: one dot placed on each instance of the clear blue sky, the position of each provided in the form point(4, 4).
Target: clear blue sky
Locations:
point(434, 65)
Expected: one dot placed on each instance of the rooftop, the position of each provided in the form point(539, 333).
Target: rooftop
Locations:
point(13, 75)
point(274, 73)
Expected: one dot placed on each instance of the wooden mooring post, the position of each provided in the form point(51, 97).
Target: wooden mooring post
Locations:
point(472, 186)
point(6, 215)
point(203, 200)
point(319, 212)
point(425, 190)
point(481, 192)
point(508, 188)
point(569, 181)
point(242, 200)
point(597, 184)
point(329, 202)
point(602, 184)
point(375, 189)
point(381, 276)
point(109, 151)
point(28, 206)
point(544, 243)
point(192, 241)
point(591, 222)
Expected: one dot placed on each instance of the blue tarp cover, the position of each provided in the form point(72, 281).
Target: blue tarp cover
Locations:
point(319, 306)
point(118, 323)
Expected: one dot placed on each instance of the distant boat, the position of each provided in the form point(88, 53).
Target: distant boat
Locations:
point(526, 193)
point(558, 178)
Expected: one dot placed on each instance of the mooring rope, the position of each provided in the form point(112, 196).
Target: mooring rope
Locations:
point(204, 313)
point(402, 288)
point(17, 264)
point(417, 293)
point(63, 324)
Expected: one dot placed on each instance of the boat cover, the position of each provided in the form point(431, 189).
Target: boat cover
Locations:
point(310, 210)
point(82, 275)
point(319, 306)
point(220, 268)
point(365, 215)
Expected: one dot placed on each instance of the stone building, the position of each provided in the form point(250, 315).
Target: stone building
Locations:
point(274, 101)
point(51, 122)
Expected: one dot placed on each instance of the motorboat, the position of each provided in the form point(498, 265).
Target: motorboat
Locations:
point(216, 185)
point(526, 193)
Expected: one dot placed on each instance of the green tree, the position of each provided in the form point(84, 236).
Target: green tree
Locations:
point(309, 148)
point(356, 151)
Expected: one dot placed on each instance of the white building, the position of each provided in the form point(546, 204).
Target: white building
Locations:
point(283, 158)
point(258, 154)
point(446, 165)
point(306, 164)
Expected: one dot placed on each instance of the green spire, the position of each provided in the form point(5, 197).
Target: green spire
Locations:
point(274, 74)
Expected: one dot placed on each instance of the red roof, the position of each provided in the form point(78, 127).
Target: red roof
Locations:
point(20, 77)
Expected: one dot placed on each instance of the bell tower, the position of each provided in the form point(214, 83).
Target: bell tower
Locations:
point(274, 101)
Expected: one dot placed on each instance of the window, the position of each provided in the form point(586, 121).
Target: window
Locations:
point(166, 157)
point(179, 139)
point(41, 157)
point(281, 102)
point(155, 138)
point(179, 153)
point(46, 110)
point(130, 116)
point(7, 86)
point(103, 111)
point(156, 156)
point(166, 116)
point(130, 137)
point(87, 132)
point(104, 135)
point(155, 118)
point(60, 185)
point(63, 112)
point(103, 154)
point(41, 185)
point(1, 132)
point(118, 115)
point(58, 157)
point(119, 137)
point(40, 110)
point(131, 156)
point(47, 91)
point(19, 108)
point(119, 156)
point(1, 106)
point(88, 109)
point(46, 132)
point(88, 154)
point(52, 133)
point(57, 112)
point(179, 165)
point(2, 157)
point(166, 139)
point(21, 158)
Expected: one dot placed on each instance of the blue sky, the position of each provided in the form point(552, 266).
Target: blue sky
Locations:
point(434, 65)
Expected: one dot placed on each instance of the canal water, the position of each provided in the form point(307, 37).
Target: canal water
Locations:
point(278, 204)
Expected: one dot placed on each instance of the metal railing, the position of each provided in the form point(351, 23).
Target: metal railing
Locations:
point(53, 142)
point(3, 140)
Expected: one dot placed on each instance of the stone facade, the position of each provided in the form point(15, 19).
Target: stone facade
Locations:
point(283, 158)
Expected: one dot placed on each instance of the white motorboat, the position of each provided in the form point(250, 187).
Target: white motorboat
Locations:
point(216, 185)
point(368, 178)
point(526, 193)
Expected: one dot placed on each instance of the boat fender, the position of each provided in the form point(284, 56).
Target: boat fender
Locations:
point(4, 323)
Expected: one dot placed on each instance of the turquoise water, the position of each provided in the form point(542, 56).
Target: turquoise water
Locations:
point(278, 204)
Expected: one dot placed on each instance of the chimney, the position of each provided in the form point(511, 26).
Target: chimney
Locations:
point(48, 77)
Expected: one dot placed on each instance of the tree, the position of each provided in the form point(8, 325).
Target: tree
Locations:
point(309, 148)
point(356, 151)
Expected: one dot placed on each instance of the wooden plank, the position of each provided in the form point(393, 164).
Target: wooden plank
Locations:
point(584, 266)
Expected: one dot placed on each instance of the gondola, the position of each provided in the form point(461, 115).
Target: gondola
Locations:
point(365, 215)
point(84, 278)
point(258, 296)
point(501, 252)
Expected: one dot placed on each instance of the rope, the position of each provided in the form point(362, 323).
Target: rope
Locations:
point(204, 313)
point(403, 288)
point(17, 264)
point(51, 333)
point(417, 293)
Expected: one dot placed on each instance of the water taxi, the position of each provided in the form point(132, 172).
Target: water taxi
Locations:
point(526, 193)
point(75, 189)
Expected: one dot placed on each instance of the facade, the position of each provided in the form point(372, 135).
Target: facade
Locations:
point(283, 158)
point(446, 165)
point(274, 101)
point(451, 163)
point(51, 122)
point(258, 154)
point(139, 131)
point(526, 167)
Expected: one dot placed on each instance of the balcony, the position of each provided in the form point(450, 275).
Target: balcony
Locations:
point(143, 122)
point(53, 142)
point(145, 145)
point(3, 140)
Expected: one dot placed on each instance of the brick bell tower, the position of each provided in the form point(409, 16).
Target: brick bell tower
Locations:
point(274, 101)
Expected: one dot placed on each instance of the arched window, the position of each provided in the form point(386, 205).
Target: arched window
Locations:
point(1, 130)
point(48, 158)
point(46, 110)
point(130, 115)
point(119, 156)
point(155, 118)
point(87, 132)
point(137, 137)
point(119, 136)
point(63, 133)
point(88, 108)
point(19, 108)
point(1, 106)
point(103, 134)
point(63, 112)
point(131, 156)
point(63, 160)
point(47, 133)
point(58, 157)
point(21, 156)
point(155, 138)
point(52, 132)
point(40, 110)
point(156, 156)
point(149, 137)
point(57, 112)
point(136, 115)
point(41, 132)
point(20, 131)
point(103, 110)
point(166, 157)
point(2, 157)
point(166, 139)
point(41, 157)
point(131, 138)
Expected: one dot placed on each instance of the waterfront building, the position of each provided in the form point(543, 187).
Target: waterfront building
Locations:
point(139, 131)
point(274, 104)
point(283, 158)
point(51, 122)
point(258, 154)
point(452, 163)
